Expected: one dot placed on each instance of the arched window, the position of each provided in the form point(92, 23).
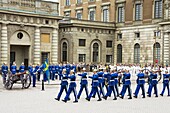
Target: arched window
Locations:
point(137, 53)
point(95, 52)
point(156, 52)
point(64, 52)
point(119, 53)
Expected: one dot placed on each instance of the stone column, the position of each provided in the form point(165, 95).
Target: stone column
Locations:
point(4, 44)
point(54, 49)
point(37, 51)
point(166, 48)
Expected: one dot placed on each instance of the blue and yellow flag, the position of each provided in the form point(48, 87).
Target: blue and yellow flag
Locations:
point(46, 71)
point(46, 65)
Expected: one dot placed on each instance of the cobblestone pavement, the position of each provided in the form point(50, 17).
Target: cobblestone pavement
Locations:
point(33, 100)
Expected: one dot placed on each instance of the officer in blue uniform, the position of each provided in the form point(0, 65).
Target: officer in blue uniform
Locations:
point(166, 78)
point(73, 67)
point(4, 72)
point(72, 87)
point(33, 73)
point(95, 84)
point(154, 83)
point(50, 70)
point(13, 69)
point(60, 71)
point(116, 82)
point(83, 83)
point(53, 72)
point(126, 84)
point(140, 84)
point(106, 79)
point(101, 80)
point(68, 68)
point(57, 71)
point(113, 75)
point(38, 71)
point(64, 84)
point(21, 70)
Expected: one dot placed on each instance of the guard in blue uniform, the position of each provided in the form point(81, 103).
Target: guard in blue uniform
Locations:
point(33, 73)
point(68, 68)
point(64, 84)
point(126, 84)
point(38, 72)
point(83, 83)
point(72, 87)
point(60, 71)
point(154, 83)
point(57, 71)
point(106, 79)
point(140, 84)
point(73, 67)
point(166, 78)
point(111, 85)
point(13, 69)
point(116, 82)
point(21, 70)
point(101, 80)
point(4, 72)
point(53, 72)
point(50, 70)
point(95, 84)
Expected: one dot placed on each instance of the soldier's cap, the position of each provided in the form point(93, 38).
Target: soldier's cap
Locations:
point(95, 70)
point(166, 70)
point(64, 69)
point(84, 69)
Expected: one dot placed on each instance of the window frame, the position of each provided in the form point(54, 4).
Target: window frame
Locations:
point(84, 42)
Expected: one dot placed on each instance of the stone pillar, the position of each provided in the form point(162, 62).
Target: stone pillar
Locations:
point(54, 49)
point(166, 10)
point(4, 44)
point(166, 48)
point(37, 51)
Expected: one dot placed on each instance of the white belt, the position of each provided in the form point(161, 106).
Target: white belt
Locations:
point(72, 81)
point(95, 81)
point(13, 69)
point(64, 80)
point(166, 78)
point(56, 74)
point(22, 69)
point(127, 79)
point(100, 77)
point(5, 70)
point(154, 79)
point(141, 79)
point(116, 78)
point(84, 79)
point(112, 80)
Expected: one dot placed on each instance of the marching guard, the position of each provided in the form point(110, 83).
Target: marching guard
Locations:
point(83, 83)
point(140, 84)
point(166, 78)
point(64, 84)
point(72, 87)
point(95, 84)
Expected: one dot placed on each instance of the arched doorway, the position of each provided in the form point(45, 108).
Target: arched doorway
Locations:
point(156, 52)
point(20, 48)
point(64, 52)
point(119, 53)
point(137, 53)
point(95, 52)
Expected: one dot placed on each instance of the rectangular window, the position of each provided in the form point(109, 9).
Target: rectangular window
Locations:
point(108, 43)
point(79, 1)
point(67, 14)
point(45, 37)
point(120, 14)
point(137, 35)
point(119, 36)
point(79, 15)
point(138, 12)
point(92, 15)
point(82, 57)
point(157, 33)
point(67, 2)
point(82, 42)
point(44, 56)
point(108, 58)
point(158, 9)
point(105, 15)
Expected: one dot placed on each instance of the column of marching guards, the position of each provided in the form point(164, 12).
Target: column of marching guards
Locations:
point(100, 80)
point(109, 80)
